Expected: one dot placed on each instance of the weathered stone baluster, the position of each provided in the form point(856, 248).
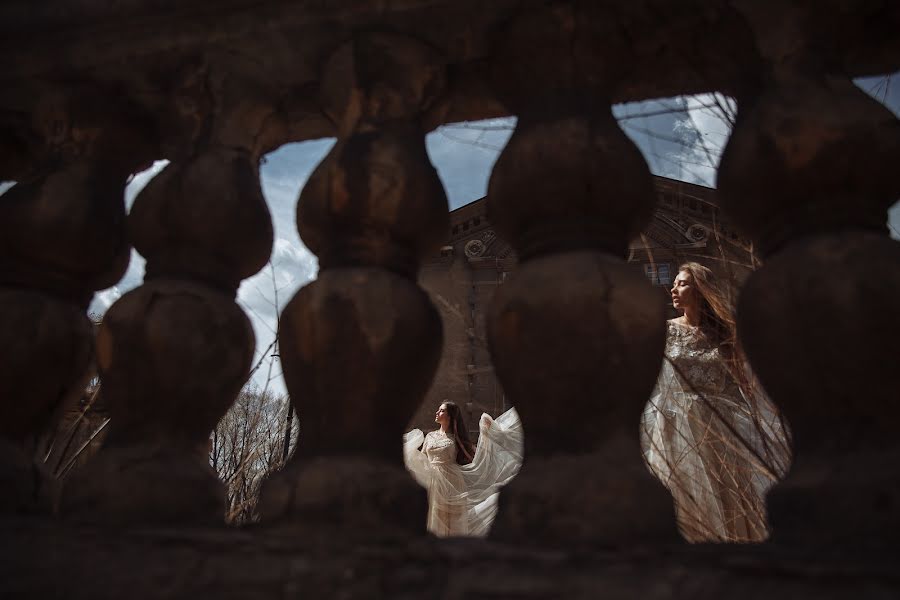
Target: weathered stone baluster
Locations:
point(360, 344)
point(174, 353)
point(576, 335)
point(62, 236)
point(809, 173)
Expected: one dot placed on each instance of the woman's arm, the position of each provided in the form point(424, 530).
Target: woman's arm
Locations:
point(414, 444)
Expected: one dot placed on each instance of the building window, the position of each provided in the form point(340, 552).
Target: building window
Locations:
point(663, 274)
point(658, 273)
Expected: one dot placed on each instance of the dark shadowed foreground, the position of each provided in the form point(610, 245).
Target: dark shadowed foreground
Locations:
point(44, 560)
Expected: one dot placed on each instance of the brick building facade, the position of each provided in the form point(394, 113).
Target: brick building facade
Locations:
point(686, 226)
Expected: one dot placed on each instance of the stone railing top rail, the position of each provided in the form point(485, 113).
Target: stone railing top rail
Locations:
point(665, 48)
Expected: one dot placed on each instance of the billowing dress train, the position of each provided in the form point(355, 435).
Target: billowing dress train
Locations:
point(462, 500)
point(716, 446)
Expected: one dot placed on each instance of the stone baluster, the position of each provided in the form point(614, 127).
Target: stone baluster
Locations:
point(809, 173)
point(62, 236)
point(576, 335)
point(174, 353)
point(360, 345)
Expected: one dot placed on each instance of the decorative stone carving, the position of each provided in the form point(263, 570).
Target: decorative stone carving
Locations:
point(819, 319)
point(360, 344)
point(574, 322)
point(697, 233)
point(174, 353)
point(62, 237)
point(475, 248)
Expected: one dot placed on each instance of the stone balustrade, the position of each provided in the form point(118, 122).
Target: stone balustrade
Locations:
point(371, 211)
point(815, 317)
point(807, 174)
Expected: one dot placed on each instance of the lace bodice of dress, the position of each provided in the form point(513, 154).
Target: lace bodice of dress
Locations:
point(698, 360)
point(701, 450)
point(439, 448)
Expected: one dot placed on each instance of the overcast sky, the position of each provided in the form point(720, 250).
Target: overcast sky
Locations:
point(679, 137)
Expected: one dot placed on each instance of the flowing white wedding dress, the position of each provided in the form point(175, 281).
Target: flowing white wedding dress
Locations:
point(462, 499)
point(716, 446)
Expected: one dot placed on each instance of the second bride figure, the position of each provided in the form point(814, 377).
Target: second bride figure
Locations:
point(463, 479)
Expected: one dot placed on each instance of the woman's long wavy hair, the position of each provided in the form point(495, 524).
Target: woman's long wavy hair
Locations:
point(744, 446)
point(465, 450)
point(717, 318)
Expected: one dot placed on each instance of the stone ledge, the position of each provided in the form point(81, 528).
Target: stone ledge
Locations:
point(47, 559)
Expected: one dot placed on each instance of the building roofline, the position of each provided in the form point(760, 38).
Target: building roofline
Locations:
point(656, 178)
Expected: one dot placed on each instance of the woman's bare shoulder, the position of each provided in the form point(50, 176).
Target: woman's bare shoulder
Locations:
point(682, 323)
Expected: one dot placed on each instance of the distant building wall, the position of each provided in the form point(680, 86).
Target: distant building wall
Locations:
point(462, 278)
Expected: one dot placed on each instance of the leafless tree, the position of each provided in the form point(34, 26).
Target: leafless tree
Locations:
point(247, 446)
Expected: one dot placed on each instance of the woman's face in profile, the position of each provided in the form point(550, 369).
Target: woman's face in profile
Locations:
point(441, 415)
point(683, 293)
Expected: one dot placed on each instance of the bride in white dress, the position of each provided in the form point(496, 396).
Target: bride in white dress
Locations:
point(710, 433)
point(463, 480)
